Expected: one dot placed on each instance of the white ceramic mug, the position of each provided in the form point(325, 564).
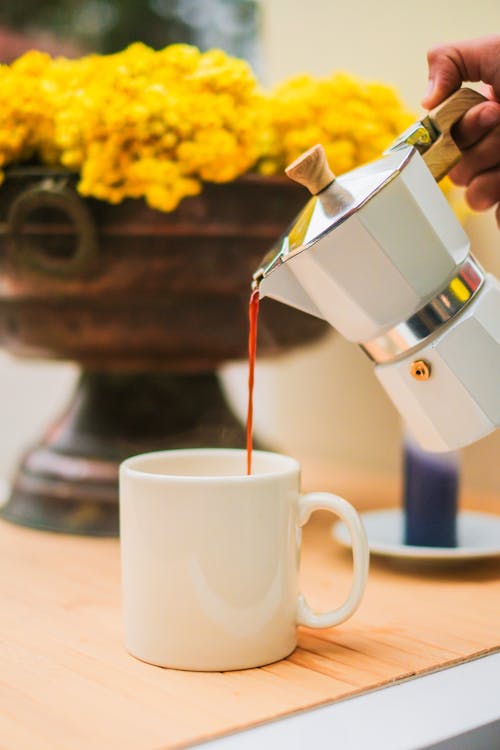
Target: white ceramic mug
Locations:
point(210, 558)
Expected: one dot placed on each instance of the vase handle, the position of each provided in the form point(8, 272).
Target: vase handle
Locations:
point(74, 258)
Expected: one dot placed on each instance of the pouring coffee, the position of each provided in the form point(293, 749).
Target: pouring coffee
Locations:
point(379, 253)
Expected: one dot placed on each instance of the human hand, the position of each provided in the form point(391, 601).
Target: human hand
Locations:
point(478, 132)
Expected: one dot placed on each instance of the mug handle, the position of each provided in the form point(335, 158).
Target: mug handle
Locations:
point(360, 552)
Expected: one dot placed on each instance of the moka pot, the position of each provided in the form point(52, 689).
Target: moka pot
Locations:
point(379, 253)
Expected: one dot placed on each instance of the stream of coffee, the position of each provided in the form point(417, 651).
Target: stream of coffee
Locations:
point(253, 314)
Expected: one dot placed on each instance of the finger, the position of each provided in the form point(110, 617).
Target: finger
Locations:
point(452, 64)
point(481, 157)
point(476, 123)
point(484, 190)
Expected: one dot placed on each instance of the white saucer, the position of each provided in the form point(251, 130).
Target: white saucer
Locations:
point(478, 536)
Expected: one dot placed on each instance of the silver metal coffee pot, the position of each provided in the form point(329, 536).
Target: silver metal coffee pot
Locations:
point(380, 255)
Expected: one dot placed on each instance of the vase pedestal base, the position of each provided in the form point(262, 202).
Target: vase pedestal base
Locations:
point(69, 481)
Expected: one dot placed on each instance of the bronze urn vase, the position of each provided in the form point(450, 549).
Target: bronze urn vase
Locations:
point(149, 304)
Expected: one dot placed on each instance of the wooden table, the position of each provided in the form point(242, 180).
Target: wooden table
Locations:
point(66, 682)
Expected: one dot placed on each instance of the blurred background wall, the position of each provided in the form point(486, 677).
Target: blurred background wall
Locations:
point(322, 404)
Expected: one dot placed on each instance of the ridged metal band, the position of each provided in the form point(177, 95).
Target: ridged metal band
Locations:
point(428, 321)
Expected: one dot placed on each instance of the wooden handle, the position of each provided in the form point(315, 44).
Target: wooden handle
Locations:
point(311, 170)
point(444, 152)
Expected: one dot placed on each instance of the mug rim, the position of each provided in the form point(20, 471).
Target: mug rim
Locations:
point(288, 465)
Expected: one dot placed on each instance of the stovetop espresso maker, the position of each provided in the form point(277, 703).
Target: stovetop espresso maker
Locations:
point(380, 255)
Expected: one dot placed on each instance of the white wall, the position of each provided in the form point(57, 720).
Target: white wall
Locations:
point(31, 394)
point(382, 39)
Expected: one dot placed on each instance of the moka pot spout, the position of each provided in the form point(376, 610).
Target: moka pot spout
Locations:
point(277, 279)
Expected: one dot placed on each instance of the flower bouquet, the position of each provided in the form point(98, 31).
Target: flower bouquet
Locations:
point(158, 124)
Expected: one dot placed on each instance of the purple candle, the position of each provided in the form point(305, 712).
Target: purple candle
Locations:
point(430, 491)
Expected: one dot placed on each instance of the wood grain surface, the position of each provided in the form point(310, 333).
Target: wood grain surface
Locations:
point(66, 682)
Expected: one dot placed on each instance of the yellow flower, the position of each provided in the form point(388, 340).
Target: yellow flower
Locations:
point(354, 120)
point(157, 124)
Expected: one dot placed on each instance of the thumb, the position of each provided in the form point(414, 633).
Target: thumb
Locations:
point(452, 64)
